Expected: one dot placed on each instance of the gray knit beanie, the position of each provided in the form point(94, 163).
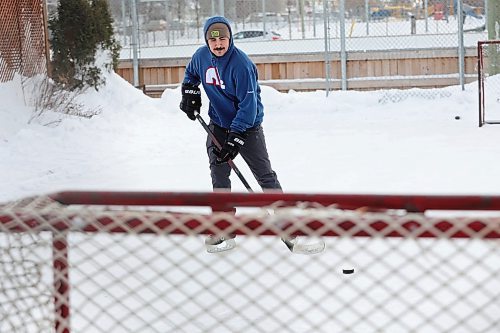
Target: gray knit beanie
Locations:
point(217, 30)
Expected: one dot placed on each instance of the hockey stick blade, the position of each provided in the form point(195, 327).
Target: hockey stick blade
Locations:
point(226, 245)
point(298, 248)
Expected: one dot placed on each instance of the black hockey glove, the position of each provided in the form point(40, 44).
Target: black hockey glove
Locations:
point(230, 148)
point(191, 100)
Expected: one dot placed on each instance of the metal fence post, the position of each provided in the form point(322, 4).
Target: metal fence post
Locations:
point(221, 8)
point(135, 39)
point(461, 50)
point(326, 25)
point(264, 18)
point(367, 17)
point(343, 53)
point(413, 24)
point(426, 15)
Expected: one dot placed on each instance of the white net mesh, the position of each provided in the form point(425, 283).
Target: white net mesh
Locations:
point(145, 269)
point(26, 303)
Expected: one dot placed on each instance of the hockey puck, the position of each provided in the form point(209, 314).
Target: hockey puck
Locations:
point(457, 117)
point(348, 271)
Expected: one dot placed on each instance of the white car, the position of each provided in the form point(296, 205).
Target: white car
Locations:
point(256, 35)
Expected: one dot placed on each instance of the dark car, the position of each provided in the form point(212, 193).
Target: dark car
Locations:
point(380, 14)
point(256, 35)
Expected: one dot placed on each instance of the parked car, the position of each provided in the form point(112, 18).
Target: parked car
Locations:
point(276, 18)
point(256, 35)
point(155, 25)
point(381, 14)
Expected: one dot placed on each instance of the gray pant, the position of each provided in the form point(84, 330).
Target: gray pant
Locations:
point(254, 152)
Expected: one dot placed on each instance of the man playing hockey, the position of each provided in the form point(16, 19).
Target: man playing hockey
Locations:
point(229, 79)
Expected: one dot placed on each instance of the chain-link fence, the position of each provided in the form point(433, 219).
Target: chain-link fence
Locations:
point(347, 30)
point(136, 262)
point(344, 29)
point(22, 39)
point(177, 22)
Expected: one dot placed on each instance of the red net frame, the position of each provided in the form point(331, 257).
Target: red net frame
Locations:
point(21, 219)
point(482, 74)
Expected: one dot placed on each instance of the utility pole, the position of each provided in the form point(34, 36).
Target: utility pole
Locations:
point(302, 23)
point(135, 39)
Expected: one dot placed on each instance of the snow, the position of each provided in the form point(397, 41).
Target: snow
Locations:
point(317, 45)
point(349, 142)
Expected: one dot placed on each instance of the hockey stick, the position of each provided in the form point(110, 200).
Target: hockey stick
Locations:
point(291, 243)
point(219, 146)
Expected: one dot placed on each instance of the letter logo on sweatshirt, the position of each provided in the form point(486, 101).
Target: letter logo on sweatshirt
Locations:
point(212, 77)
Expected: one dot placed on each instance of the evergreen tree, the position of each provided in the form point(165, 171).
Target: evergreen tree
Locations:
point(80, 29)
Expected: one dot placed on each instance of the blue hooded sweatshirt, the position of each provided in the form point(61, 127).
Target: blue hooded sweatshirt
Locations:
point(230, 82)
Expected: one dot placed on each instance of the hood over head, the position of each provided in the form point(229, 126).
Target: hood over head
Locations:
point(218, 26)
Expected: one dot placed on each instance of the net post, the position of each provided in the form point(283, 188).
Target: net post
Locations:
point(480, 81)
point(61, 282)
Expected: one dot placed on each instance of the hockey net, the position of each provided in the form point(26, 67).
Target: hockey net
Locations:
point(489, 81)
point(136, 262)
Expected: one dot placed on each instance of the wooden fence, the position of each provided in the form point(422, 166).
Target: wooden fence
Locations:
point(423, 68)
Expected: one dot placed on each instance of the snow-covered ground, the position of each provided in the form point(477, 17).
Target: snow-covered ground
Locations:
point(317, 45)
point(355, 142)
point(351, 142)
